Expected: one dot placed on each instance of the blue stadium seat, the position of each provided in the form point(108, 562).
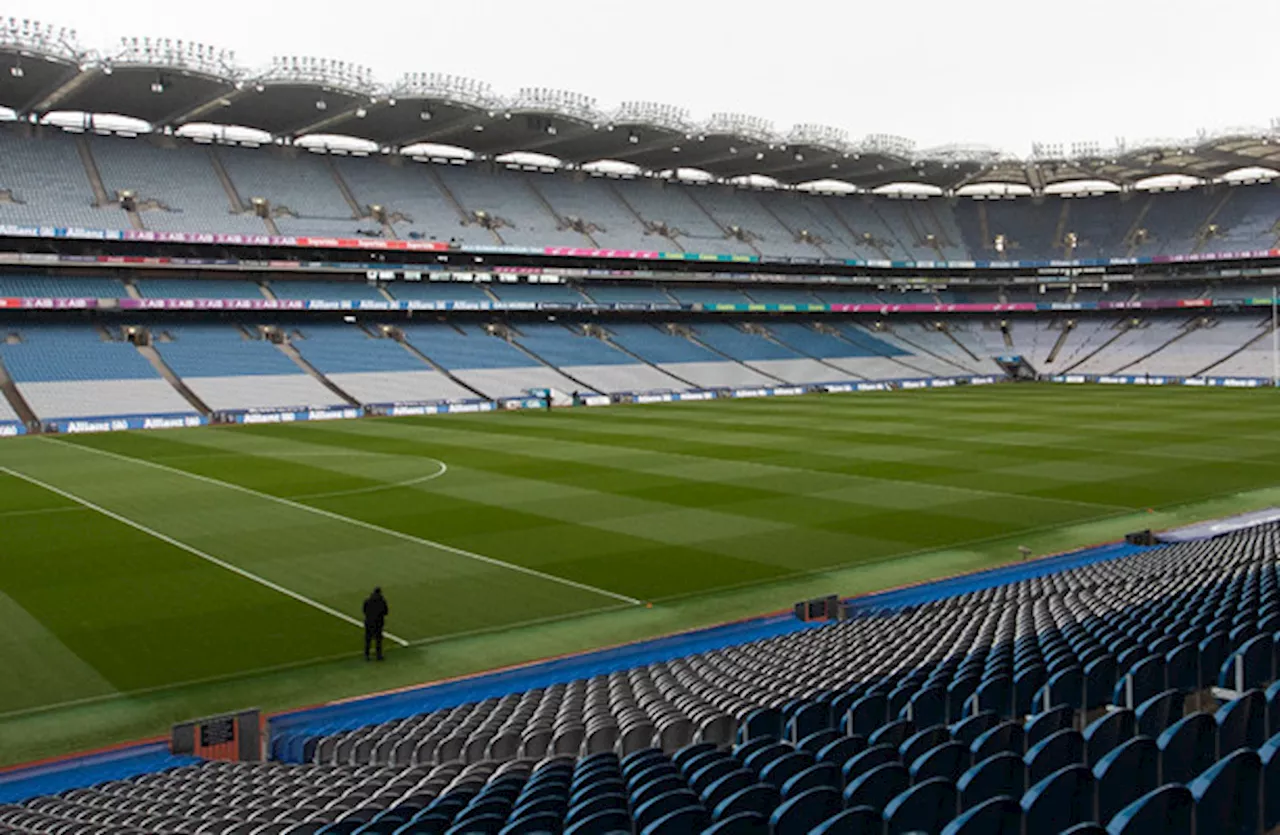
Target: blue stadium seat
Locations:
point(727, 785)
point(747, 823)
point(926, 807)
point(1158, 713)
point(1043, 725)
point(763, 721)
point(949, 760)
point(860, 820)
point(1269, 754)
point(863, 762)
point(997, 816)
point(820, 775)
point(1182, 667)
point(658, 807)
point(1228, 795)
point(816, 741)
point(1099, 681)
point(709, 772)
point(779, 771)
point(839, 751)
point(1000, 775)
point(800, 814)
point(866, 715)
point(1273, 709)
point(1187, 748)
point(1106, 732)
point(1252, 665)
point(1144, 679)
point(807, 718)
point(680, 759)
point(922, 741)
point(994, 695)
point(1169, 810)
point(1242, 723)
point(1059, 801)
point(967, 730)
point(1064, 748)
point(1125, 774)
point(676, 822)
point(927, 707)
point(878, 786)
point(1007, 736)
point(760, 798)
point(892, 733)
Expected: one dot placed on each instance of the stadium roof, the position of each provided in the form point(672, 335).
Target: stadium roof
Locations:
point(169, 84)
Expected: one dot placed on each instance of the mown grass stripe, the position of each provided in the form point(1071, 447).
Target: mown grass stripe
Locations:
point(196, 552)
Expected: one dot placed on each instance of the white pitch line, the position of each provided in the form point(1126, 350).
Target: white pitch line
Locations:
point(359, 523)
point(248, 575)
point(444, 468)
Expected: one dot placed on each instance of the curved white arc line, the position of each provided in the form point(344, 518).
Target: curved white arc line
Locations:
point(444, 468)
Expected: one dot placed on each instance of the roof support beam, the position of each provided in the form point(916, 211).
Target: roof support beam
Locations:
point(50, 101)
point(191, 115)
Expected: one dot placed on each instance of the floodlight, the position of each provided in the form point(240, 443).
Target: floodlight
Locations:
point(17, 72)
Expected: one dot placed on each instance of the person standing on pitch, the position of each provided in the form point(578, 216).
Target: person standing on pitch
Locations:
point(375, 615)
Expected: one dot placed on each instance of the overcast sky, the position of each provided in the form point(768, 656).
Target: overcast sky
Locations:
point(998, 72)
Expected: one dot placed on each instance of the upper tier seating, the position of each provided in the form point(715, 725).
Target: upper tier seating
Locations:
point(1065, 698)
point(178, 189)
point(175, 183)
point(290, 179)
point(47, 183)
point(410, 195)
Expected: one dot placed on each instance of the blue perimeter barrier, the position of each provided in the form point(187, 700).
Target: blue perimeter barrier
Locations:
point(88, 770)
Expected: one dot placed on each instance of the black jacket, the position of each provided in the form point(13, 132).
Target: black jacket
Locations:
point(375, 610)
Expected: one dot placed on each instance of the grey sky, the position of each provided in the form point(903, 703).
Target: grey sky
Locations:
point(997, 72)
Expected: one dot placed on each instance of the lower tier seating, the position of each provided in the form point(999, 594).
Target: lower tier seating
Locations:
point(1079, 698)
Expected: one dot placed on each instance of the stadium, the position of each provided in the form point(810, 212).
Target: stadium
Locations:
point(721, 478)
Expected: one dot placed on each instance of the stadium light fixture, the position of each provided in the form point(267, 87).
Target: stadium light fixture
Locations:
point(157, 86)
point(17, 71)
point(41, 38)
point(361, 113)
point(425, 115)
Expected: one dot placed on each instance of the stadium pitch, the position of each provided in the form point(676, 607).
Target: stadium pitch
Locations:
point(150, 577)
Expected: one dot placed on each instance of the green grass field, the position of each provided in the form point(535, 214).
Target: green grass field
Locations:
point(149, 577)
